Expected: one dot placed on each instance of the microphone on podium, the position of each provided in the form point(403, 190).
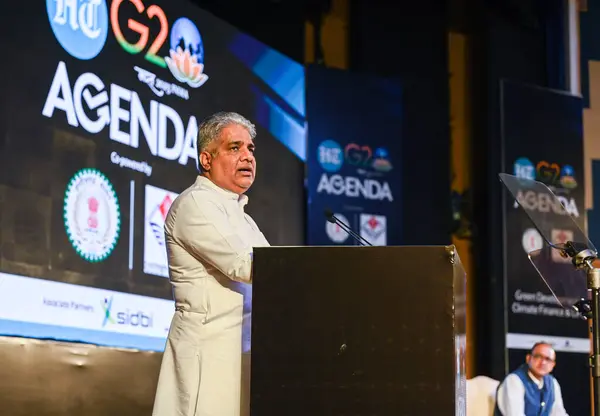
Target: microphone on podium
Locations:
point(335, 220)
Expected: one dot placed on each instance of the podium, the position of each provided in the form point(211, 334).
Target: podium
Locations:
point(358, 331)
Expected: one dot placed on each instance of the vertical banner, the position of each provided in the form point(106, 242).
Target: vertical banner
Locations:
point(354, 152)
point(542, 140)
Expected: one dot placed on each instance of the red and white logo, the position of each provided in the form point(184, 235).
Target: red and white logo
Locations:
point(532, 240)
point(560, 237)
point(158, 203)
point(335, 232)
point(373, 228)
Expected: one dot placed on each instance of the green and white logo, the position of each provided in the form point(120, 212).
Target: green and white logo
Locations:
point(91, 214)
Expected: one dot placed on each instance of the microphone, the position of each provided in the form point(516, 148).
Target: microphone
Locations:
point(335, 220)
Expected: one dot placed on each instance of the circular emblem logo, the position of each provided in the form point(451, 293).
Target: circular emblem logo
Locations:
point(81, 27)
point(186, 36)
point(91, 214)
point(567, 177)
point(381, 161)
point(335, 232)
point(532, 240)
point(330, 156)
point(186, 56)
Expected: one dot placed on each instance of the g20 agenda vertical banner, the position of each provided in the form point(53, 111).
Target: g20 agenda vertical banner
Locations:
point(353, 157)
point(543, 140)
point(546, 146)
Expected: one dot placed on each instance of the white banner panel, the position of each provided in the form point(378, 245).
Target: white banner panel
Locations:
point(46, 309)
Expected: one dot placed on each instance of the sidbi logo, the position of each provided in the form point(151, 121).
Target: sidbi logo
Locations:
point(186, 52)
point(80, 26)
point(126, 317)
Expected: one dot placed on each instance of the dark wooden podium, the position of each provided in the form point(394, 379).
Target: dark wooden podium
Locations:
point(358, 331)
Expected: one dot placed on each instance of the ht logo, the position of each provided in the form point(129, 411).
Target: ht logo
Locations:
point(84, 16)
point(80, 26)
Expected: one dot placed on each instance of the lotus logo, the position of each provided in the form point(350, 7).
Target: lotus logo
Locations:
point(186, 55)
point(185, 68)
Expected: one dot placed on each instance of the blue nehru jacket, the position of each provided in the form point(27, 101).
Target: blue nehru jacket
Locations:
point(538, 402)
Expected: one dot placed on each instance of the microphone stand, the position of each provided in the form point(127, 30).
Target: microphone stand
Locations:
point(590, 309)
point(357, 237)
point(334, 220)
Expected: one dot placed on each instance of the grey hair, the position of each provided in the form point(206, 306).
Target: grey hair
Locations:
point(210, 128)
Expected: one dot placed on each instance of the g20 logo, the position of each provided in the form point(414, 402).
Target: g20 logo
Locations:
point(142, 30)
point(186, 52)
point(80, 26)
point(362, 156)
point(357, 155)
point(547, 172)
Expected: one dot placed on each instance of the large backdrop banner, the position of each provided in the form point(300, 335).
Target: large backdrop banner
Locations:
point(543, 140)
point(99, 119)
point(353, 157)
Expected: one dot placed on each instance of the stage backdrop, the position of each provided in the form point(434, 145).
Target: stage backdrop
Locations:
point(542, 140)
point(101, 102)
point(354, 156)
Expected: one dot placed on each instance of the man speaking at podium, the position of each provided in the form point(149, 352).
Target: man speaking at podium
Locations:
point(209, 244)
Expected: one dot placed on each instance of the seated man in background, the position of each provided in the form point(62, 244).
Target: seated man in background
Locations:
point(530, 390)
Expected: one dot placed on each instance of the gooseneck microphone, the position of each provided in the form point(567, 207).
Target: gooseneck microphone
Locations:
point(335, 220)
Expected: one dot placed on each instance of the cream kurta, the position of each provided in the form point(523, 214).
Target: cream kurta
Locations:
point(209, 244)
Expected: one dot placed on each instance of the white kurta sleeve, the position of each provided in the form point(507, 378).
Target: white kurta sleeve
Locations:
point(203, 228)
point(558, 409)
point(511, 396)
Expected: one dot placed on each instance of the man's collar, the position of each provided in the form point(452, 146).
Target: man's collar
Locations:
point(540, 383)
point(204, 181)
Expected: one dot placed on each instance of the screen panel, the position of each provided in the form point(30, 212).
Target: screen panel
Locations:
point(100, 112)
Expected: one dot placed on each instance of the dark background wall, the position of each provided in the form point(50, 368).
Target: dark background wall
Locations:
point(510, 40)
point(410, 43)
point(278, 23)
